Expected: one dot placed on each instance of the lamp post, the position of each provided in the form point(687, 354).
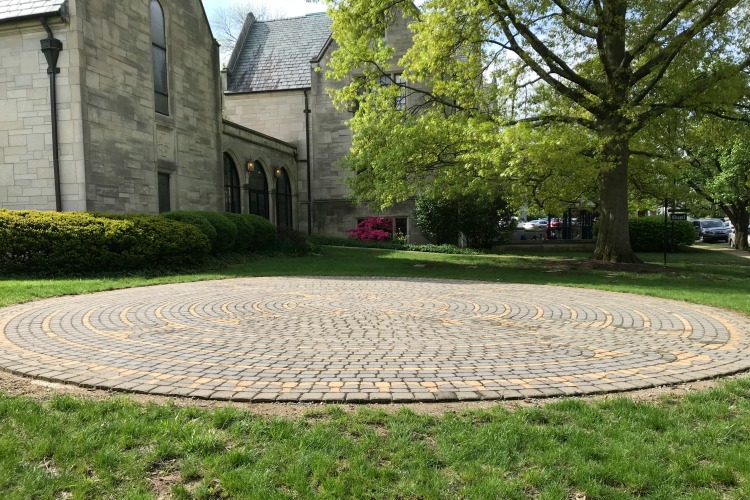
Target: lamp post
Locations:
point(51, 48)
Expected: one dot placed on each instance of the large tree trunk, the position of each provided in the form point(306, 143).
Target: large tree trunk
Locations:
point(740, 229)
point(613, 241)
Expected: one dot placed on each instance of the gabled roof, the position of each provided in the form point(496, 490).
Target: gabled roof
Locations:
point(19, 9)
point(276, 55)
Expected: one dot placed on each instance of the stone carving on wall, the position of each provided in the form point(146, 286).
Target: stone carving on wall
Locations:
point(165, 150)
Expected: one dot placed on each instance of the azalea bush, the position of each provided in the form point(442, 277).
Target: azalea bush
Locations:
point(373, 229)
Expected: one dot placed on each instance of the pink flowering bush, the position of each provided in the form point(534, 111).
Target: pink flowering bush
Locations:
point(373, 229)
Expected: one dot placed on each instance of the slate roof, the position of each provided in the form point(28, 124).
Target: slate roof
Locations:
point(14, 9)
point(276, 54)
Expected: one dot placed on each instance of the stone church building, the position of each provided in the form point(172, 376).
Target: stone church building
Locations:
point(121, 106)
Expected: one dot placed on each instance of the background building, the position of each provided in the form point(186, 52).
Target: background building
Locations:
point(143, 122)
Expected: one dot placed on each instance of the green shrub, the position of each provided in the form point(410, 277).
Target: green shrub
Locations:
point(226, 230)
point(483, 221)
point(166, 242)
point(265, 233)
point(51, 243)
point(194, 219)
point(245, 239)
point(437, 219)
point(647, 233)
point(223, 229)
point(292, 242)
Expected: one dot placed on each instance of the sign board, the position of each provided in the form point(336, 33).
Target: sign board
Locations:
point(678, 216)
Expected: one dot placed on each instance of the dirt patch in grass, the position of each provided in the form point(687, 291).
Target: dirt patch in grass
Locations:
point(39, 390)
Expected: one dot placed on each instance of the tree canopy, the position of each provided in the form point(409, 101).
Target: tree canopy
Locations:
point(550, 98)
point(717, 167)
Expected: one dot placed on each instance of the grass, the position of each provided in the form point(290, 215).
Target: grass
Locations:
point(700, 276)
point(696, 446)
point(692, 447)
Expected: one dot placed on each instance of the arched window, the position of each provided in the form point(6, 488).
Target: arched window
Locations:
point(257, 190)
point(283, 199)
point(231, 186)
point(159, 55)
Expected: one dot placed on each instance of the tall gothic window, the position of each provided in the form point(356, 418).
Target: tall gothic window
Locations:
point(283, 199)
point(231, 186)
point(159, 55)
point(257, 190)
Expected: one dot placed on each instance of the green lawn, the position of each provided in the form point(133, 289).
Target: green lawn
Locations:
point(696, 446)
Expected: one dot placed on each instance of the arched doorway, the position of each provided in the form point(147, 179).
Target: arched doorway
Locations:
point(283, 199)
point(257, 190)
point(231, 186)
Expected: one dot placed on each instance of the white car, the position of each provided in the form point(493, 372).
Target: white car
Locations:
point(535, 225)
point(733, 238)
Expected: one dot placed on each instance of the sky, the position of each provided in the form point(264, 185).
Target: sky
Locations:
point(289, 8)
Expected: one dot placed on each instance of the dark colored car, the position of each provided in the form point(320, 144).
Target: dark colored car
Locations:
point(709, 230)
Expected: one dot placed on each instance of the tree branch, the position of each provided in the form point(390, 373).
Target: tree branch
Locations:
point(555, 63)
point(651, 36)
point(568, 92)
point(718, 8)
point(546, 119)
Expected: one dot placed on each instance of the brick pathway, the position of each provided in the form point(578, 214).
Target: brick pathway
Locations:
point(376, 340)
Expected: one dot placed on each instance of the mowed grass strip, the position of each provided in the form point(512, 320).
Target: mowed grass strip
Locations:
point(702, 276)
point(696, 446)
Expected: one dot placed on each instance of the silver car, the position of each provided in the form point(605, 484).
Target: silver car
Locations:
point(711, 230)
point(733, 237)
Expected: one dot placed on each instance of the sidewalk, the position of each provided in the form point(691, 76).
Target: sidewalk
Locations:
point(726, 249)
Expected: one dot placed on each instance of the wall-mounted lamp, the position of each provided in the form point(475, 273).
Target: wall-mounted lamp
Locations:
point(250, 166)
point(277, 172)
point(352, 106)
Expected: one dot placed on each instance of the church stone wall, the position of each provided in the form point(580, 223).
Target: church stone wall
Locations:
point(281, 115)
point(126, 142)
point(26, 168)
point(333, 212)
point(243, 144)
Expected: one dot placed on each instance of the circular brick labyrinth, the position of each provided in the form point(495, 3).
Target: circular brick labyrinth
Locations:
point(378, 340)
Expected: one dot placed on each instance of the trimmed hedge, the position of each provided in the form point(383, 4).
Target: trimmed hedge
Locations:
point(231, 232)
point(194, 219)
point(647, 233)
point(81, 243)
point(245, 239)
point(226, 230)
point(222, 227)
point(265, 232)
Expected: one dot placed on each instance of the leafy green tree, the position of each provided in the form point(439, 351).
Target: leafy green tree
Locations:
point(542, 97)
point(717, 167)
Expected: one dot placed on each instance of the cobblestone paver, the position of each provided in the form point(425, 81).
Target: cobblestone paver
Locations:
point(369, 340)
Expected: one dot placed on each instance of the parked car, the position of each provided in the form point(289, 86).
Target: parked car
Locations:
point(733, 237)
point(556, 223)
point(711, 230)
point(536, 225)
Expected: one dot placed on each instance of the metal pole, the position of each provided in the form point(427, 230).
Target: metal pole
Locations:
point(55, 141)
point(309, 180)
point(666, 206)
